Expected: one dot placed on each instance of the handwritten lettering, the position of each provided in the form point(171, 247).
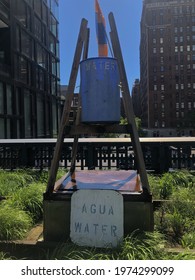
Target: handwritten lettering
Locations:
point(101, 209)
point(96, 229)
point(100, 65)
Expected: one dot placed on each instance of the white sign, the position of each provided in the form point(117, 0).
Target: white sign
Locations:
point(96, 218)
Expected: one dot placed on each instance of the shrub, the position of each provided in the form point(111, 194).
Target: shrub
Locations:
point(14, 223)
point(188, 240)
point(12, 181)
point(30, 200)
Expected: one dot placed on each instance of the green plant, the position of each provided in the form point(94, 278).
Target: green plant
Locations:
point(12, 181)
point(30, 200)
point(188, 240)
point(14, 223)
point(135, 246)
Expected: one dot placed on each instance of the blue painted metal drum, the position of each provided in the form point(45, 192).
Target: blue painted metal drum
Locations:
point(99, 89)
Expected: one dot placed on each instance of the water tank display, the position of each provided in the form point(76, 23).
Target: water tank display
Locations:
point(99, 89)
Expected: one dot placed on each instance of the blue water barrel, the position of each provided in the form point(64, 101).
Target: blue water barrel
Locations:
point(99, 89)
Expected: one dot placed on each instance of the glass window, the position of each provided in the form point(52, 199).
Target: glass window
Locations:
point(18, 39)
point(1, 99)
point(9, 99)
point(52, 44)
point(45, 15)
point(54, 66)
point(54, 116)
point(18, 101)
point(41, 56)
point(54, 8)
point(27, 113)
point(37, 28)
point(41, 79)
point(2, 128)
point(40, 116)
point(37, 7)
point(27, 45)
point(21, 71)
point(20, 12)
point(54, 86)
point(53, 26)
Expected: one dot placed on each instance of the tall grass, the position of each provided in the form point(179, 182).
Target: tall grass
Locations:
point(137, 246)
point(14, 223)
point(30, 200)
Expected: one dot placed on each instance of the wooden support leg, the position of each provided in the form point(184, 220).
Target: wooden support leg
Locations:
point(67, 106)
point(128, 104)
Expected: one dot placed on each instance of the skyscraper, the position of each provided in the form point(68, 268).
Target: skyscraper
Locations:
point(29, 68)
point(167, 64)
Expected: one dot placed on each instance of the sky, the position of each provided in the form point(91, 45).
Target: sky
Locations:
point(127, 14)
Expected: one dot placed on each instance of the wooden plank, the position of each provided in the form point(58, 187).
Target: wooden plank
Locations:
point(76, 137)
point(67, 106)
point(128, 103)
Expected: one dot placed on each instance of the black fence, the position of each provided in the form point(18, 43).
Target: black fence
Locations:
point(160, 154)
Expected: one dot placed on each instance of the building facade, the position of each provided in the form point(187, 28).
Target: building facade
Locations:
point(29, 69)
point(167, 64)
point(136, 98)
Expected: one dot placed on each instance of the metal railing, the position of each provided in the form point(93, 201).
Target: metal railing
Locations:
point(160, 154)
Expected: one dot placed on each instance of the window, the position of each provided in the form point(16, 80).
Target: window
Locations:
point(154, 50)
point(53, 26)
point(37, 28)
point(163, 123)
point(162, 87)
point(1, 99)
point(189, 105)
point(188, 48)
point(54, 8)
point(161, 40)
point(155, 87)
point(41, 56)
point(9, 99)
point(21, 71)
point(27, 45)
point(176, 39)
point(37, 7)
point(161, 50)
point(27, 113)
point(181, 48)
point(40, 117)
point(45, 15)
point(176, 48)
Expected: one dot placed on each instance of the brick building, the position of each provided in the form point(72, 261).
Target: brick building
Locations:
point(167, 64)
